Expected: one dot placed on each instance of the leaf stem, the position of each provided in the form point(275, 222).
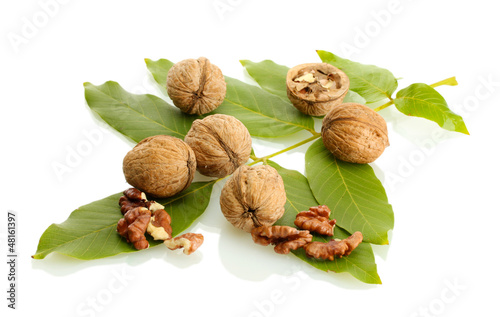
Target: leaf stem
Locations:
point(265, 158)
point(385, 105)
point(452, 81)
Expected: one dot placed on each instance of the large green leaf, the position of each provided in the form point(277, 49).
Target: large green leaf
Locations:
point(421, 100)
point(272, 77)
point(264, 114)
point(136, 116)
point(352, 191)
point(269, 75)
point(371, 82)
point(360, 263)
point(90, 231)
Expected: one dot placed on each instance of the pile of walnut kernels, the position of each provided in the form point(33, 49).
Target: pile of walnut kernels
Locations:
point(254, 197)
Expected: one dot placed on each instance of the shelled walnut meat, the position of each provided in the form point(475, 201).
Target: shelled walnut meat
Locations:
point(160, 165)
point(196, 86)
point(254, 196)
point(333, 248)
point(316, 219)
point(284, 238)
point(141, 216)
point(221, 144)
point(315, 88)
point(354, 133)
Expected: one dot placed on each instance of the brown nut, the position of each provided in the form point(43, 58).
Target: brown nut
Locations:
point(254, 196)
point(221, 143)
point(284, 238)
point(315, 88)
point(133, 227)
point(159, 225)
point(189, 241)
point(196, 86)
point(354, 133)
point(161, 166)
point(333, 248)
point(316, 219)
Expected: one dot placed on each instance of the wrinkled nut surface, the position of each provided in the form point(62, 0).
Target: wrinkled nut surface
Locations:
point(132, 198)
point(161, 166)
point(333, 248)
point(254, 196)
point(196, 86)
point(159, 225)
point(221, 144)
point(284, 238)
point(354, 133)
point(133, 227)
point(189, 241)
point(315, 88)
point(316, 219)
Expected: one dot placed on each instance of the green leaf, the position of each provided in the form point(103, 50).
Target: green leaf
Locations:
point(90, 231)
point(269, 75)
point(136, 116)
point(373, 83)
point(264, 114)
point(272, 78)
point(360, 263)
point(352, 191)
point(421, 100)
point(354, 97)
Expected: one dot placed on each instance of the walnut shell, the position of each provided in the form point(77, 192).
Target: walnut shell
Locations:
point(196, 86)
point(160, 165)
point(315, 88)
point(254, 196)
point(354, 133)
point(221, 143)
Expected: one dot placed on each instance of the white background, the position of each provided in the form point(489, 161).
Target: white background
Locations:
point(442, 259)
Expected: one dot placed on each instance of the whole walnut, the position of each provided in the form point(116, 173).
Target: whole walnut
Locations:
point(221, 143)
point(315, 88)
point(196, 86)
point(354, 133)
point(160, 166)
point(254, 196)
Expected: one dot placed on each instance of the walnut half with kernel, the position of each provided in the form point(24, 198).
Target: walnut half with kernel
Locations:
point(315, 88)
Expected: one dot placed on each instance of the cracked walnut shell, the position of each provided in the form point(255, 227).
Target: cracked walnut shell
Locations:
point(221, 143)
point(160, 166)
point(196, 86)
point(315, 88)
point(354, 133)
point(254, 196)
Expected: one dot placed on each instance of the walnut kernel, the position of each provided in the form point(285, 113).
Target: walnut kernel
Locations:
point(221, 143)
point(315, 88)
point(354, 133)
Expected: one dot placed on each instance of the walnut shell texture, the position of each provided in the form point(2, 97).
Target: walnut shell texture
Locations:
point(196, 86)
point(254, 196)
point(160, 166)
point(315, 88)
point(354, 133)
point(221, 144)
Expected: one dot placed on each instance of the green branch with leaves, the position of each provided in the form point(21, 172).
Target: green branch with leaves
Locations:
point(355, 195)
